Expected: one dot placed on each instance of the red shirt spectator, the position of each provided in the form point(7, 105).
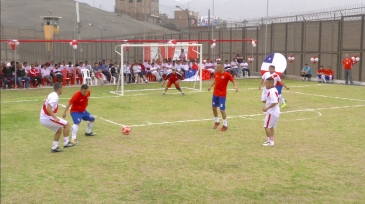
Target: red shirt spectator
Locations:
point(33, 72)
point(347, 63)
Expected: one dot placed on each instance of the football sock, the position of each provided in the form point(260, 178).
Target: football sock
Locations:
point(271, 138)
point(65, 140)
point(55, 144)
point(89, 126)
point(282, 99)
point(225, 123)
point(216, 119)
point(75, 128)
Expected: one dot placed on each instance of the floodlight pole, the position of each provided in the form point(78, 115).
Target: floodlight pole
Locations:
point(267, 18)
point(188, 18)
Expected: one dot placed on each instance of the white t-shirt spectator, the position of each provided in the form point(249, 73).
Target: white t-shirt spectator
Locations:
point(136, 68)
point(244, 65)
point(45, 72)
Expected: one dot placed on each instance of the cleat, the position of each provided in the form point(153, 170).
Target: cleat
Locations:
point(163, 93)
point(56, 150)
point(69, 144)
point(74, 141)
point(268, 144)
point(283, 105)
point(182, 93)
point(216, 125)
point(90, 134)
point(224, 128)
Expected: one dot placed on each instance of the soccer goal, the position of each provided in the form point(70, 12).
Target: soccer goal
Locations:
point(157, 52)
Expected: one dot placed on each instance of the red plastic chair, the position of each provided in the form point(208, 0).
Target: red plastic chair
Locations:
point(65, 79)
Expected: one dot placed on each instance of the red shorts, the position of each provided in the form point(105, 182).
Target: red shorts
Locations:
point(98, 75)
point(176, 83)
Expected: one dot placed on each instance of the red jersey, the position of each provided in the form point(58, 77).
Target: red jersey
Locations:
point(347, 63)
point(329, 72)
point(79, 102)
point(173, 77)
point(321, 71)
point(221, 81)
point(33, 72)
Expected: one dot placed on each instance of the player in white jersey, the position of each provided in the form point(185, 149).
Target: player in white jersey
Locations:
point(272, 110)
point(270, 74)
point(49, 119)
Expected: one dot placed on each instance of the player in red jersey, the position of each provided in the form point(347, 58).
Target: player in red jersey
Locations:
point(220, 83)
point(79, 102)
point(173, 78)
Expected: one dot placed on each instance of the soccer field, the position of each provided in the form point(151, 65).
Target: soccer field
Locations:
point(174, 156)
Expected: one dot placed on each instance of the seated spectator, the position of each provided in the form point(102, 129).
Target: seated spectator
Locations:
point(321, 74)
point(98, 73)
point(104, 70)
point(57, 72)
point(306, 72)
point(34, 74)
point(8, 75)
point(46, 74)
point(227, 67)
point(244, 68)
point(127, 72)
point(153, 70)
point(234, 67)
point(22, 75)
point(114, 70)
point(328, 75)
point(137, 71)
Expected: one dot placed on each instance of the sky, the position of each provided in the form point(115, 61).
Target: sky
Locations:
point(239, 9)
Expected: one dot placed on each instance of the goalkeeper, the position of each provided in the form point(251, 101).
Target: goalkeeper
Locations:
point(173, 78)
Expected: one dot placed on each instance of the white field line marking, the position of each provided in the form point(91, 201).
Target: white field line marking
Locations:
point(319, 115)
point(335, 97)
point(240, 116)
point(20, 101)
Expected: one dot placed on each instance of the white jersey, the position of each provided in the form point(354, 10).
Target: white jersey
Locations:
point(272, 96)
point(45, 72)
point(52, 100)
point(274, 75)
point(244, 65)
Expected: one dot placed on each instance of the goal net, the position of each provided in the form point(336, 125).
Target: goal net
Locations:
point(158, 60)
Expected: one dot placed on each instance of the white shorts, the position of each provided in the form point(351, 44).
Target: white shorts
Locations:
point(264, 94)
point(270, 121)
point(53, 125)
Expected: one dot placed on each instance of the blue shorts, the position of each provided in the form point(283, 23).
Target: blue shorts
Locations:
point(218, 101)
point(279, 88)
point(78, 116)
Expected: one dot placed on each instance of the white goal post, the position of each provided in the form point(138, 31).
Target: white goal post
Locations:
point(120, 89)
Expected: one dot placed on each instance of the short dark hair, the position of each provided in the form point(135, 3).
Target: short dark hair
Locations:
point(270, 79)
point(57, 86)
point(84, 86)
point(272, 66)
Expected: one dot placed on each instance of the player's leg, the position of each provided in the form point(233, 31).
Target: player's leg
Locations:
point(76, 118)
point(168, 85)
point(323, 77)
point(263, 95)
point(215, 104)
point(57, 127)
point(177, 86)
point(88, 117)
point(222, 107)
point(282, 99)
point(269, 125)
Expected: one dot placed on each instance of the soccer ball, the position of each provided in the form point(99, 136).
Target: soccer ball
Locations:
point(126, 130)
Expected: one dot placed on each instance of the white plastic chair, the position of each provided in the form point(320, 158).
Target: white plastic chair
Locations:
point(86, 76)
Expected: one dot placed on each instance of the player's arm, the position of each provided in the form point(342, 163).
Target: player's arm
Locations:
point(287, 88)
point(50, 112)
point(268, 107)
point(66, 109)
point(262, 81)
point(211, 85)
point(235, 85)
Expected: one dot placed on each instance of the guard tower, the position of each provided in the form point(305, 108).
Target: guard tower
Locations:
point(50, 25)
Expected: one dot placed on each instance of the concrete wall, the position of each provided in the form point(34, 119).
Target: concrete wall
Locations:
point(328, 40)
